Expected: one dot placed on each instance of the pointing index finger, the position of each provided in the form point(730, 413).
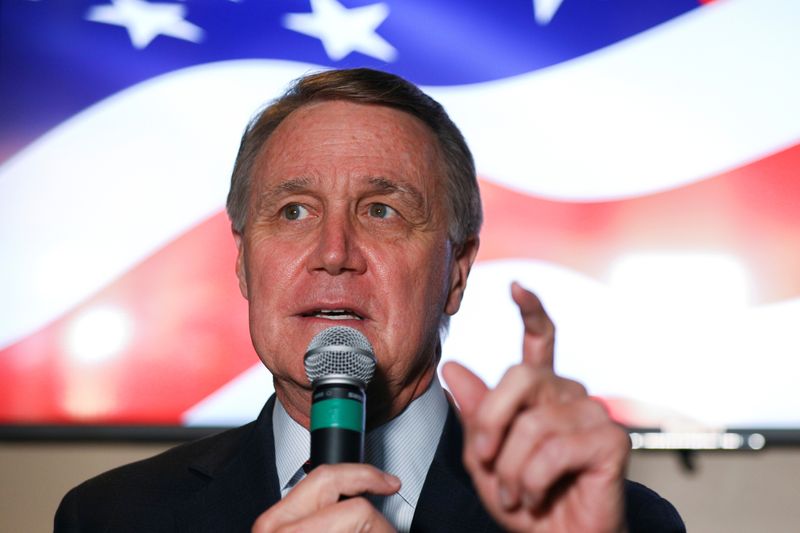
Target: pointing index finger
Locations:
point(538, 341)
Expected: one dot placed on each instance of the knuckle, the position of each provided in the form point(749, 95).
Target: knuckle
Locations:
point(361, 506)
point(567, 390)
point(549, 327)
point(517, 372)
point(277, 528)
point(507, 472)
point(470, 460)
point(487, 421)
point(551, 390)
point(552, 451)
point(322, 471)
point(617, 446)
point(260, 525)
point(595, 410)
point(527, 424)
point(526, 375)
point(578, 389)
point(620, 437)
point(482, 425)
point(483, 420)
point(267, 522)
point(530, 479)
point(585, 413)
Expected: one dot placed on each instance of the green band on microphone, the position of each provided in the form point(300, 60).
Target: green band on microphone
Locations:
point(337, 413)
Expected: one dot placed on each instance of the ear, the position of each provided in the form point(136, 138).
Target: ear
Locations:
point(464, 257)
point(241, 271)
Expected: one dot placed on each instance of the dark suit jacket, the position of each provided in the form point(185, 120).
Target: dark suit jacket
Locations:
point(222, 483)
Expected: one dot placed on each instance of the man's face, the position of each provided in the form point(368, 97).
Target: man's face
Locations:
point(347, 225)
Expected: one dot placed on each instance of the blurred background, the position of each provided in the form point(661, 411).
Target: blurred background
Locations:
point(638, 163)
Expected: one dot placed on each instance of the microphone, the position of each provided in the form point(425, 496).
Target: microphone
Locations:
point(339, 364)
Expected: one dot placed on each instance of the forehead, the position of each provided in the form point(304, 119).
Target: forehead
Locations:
point(339, 139)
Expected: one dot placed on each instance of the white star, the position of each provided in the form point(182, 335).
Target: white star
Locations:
point(145, 21)
point(545, 10)
point(343, 30)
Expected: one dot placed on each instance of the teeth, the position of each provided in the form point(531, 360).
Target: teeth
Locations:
point(337, 314)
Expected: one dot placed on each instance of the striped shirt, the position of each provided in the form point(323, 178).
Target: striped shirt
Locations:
point(404, 446)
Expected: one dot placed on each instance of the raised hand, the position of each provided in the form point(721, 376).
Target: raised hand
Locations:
point(542, 454)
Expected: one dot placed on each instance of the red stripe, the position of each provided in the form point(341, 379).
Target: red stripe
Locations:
point(751, 213)
point(190, 338)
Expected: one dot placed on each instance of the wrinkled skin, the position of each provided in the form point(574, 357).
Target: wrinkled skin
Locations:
point(347, 211)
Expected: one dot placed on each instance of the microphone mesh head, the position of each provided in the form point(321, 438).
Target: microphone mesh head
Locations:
point(340, 351)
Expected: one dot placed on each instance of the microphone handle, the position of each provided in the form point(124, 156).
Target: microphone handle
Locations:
point(338, 414)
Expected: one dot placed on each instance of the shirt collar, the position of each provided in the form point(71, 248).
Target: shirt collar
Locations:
point(292, 445)
point(404, 446)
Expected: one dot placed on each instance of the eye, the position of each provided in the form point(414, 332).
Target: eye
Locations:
point(295, 212)
point(380, 211)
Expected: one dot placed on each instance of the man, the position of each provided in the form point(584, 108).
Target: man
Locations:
point(354, 201)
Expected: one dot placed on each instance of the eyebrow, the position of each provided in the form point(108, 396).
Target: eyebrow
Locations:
point(289, 186)
point(379, 184)
point(387, 186)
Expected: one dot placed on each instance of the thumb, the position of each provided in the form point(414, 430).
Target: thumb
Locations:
point(467, 388)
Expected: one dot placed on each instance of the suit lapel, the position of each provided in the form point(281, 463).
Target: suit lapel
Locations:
point(241, 481)
point(448, 501)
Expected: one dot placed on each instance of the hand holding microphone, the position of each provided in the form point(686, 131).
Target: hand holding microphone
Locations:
point(339, 363)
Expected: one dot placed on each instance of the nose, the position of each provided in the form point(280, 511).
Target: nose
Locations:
point(339, 249)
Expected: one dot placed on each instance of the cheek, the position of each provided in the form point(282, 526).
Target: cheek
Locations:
point(273, 264)
point(416, 283)
point(271, 272)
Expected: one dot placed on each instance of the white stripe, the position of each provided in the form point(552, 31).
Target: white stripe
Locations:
point(706, 92)
point(235, 403)
point(714, 362)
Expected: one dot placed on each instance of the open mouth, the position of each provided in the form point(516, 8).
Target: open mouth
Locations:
point(334, 314)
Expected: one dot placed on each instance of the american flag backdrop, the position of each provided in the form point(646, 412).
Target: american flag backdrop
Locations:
point(638, 161)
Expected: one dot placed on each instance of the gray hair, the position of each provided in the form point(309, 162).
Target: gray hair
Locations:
point(366, 86)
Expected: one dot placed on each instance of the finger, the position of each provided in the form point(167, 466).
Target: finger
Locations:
point(354, 514)
point(529, 430)
point(498, 408)
point(594, 457)
point(521, 387)
point(324, 486)
point(538, 341)
point(467, 388)
point(327, 483)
